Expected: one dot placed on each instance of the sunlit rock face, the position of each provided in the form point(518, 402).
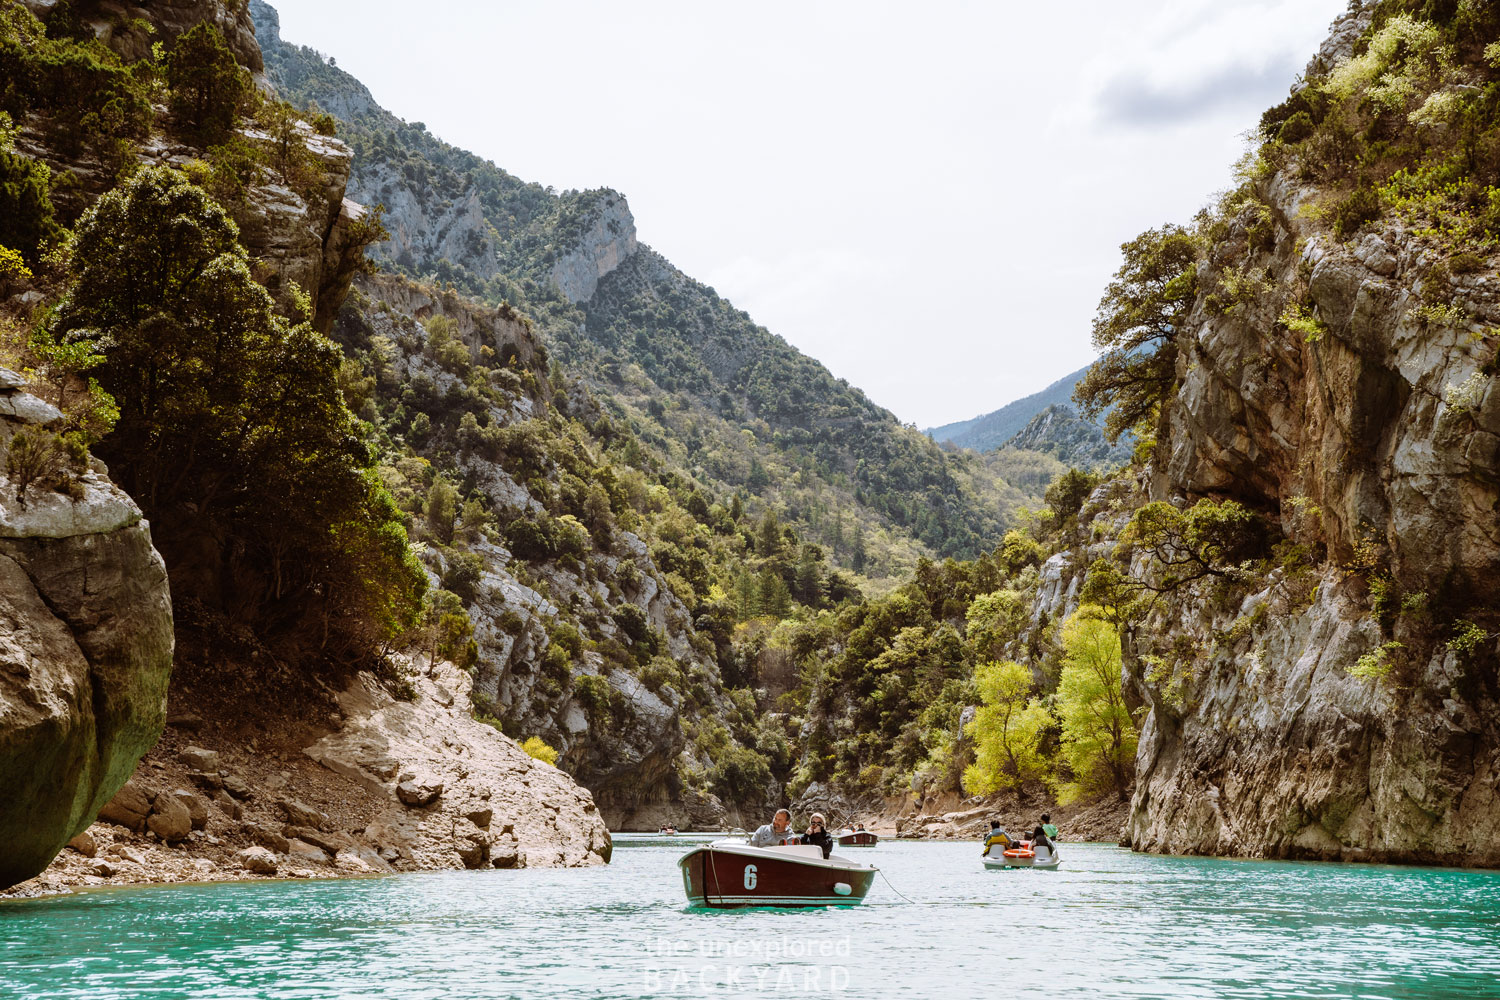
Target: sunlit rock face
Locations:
point(1377, 437)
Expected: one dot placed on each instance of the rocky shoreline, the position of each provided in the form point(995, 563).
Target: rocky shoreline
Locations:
point(376, 785)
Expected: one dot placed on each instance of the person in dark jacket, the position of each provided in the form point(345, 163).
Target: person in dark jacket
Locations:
point(817, 833)
point(1039, 839)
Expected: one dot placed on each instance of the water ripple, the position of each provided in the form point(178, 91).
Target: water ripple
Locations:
point(1109, 924)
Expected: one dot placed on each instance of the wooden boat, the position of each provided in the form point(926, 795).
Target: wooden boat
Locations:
point(1023, 856)
point(727, 874)
point(856, 838)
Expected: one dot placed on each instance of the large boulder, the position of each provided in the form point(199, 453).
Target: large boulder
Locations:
point(85, 651)
point(169, 819)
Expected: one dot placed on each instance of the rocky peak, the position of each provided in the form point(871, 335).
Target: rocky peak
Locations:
point(607, 240)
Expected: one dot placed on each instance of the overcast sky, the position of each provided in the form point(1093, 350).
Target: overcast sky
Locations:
point(929, 199)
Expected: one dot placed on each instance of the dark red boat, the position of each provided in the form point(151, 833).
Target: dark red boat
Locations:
point(730, 874)
point(857, 838)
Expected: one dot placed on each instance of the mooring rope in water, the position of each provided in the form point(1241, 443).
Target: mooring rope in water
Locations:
point(895, 890)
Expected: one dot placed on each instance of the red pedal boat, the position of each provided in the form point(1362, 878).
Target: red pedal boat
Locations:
point(728, 873)
point(857, 838)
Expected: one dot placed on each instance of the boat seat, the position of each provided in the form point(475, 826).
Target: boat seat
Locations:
point(1043, 855)
point(800, 850)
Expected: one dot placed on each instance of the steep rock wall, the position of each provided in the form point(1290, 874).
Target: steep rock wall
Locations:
point(605, 239)
point(85, 650)
point(1273, 748)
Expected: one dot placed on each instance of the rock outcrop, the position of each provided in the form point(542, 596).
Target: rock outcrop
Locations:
point(130, 29)
point(459, 792)
point(85, 649)
point(1377, 438)
point(606, 239)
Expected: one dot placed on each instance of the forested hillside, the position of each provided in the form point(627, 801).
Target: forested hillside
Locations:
point(705, 385)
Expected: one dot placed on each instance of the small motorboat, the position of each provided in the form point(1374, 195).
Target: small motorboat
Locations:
point(1023, 855)
point(856, 838)
point(729, 873)
point(667, 831)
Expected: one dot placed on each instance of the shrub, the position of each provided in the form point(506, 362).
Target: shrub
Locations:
point(739, 774)
point(26, 219)
point(594, 694)
point(536, 749)
point(1377, 664)
point(1296, 128)
point(1351, 214)
point(39, 458)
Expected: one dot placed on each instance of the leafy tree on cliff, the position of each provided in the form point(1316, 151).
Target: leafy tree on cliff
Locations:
point(1007, 730)
point(1098, 736)
point(207, 84)
point(232, 433)
point(1141, 310)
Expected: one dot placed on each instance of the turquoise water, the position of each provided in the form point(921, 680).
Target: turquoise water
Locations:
point(1108, 924)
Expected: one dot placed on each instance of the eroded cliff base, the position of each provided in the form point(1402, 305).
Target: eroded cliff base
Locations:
point(259, 775)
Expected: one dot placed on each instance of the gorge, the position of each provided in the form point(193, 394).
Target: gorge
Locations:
point(613, 521)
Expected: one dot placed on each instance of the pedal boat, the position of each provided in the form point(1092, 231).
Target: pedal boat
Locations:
point(727, 874)
point(1023, 856)
point(856, 838)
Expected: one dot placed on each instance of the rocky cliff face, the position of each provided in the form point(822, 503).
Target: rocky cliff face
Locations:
point(1385, 423)
point(85, 648)
point(130, 29)
point(605, 240)
point(624, 741)
point(1338, 700)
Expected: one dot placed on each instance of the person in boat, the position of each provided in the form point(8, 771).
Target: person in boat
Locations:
point(859, 828)
point(775, 833)
point(1039, 839)
point(1048, 828)
point(818, 835)
point(997, 837)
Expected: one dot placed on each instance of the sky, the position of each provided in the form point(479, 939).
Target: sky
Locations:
point(929, 199)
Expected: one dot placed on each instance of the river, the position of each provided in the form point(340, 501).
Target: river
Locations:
point(1108, 924)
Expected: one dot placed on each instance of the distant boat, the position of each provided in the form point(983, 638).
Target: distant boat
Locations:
point(856, 838)
point(1022, 856)
point(726, 874)
point(667, 831)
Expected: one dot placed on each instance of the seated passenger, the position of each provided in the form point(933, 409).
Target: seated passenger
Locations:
point(817, 834)
point(774, 833)
point(1048, 828)
point(997, 837)
point(1039, 840)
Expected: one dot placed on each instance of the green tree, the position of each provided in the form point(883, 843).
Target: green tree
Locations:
point(441, 509)
point(231, 426)
point(995, 620)
point(1141, 311)
point(26, 219)
point(1068, 491)
point(207, 84)
point(1007, 730)
point(1098, 736)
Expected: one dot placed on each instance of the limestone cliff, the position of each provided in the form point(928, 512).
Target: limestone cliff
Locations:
point(130, 29)
point(86, 648)
point(604, 238)
point(1337, 697)
point(623, 740)
point(1277, 749)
